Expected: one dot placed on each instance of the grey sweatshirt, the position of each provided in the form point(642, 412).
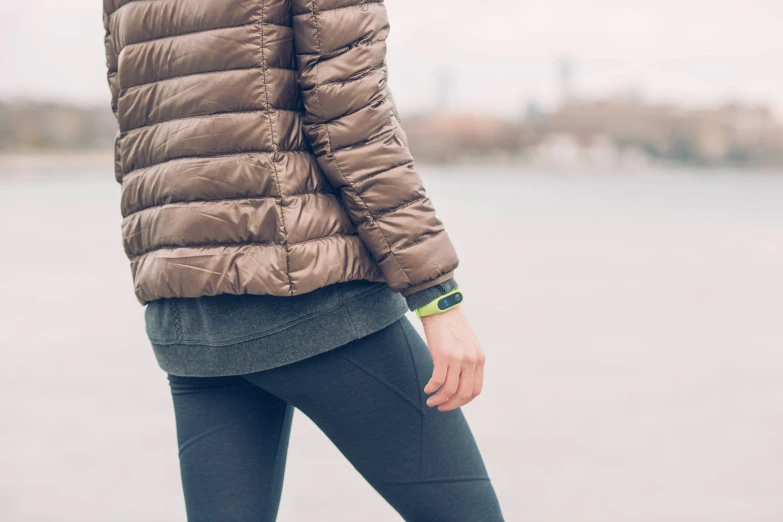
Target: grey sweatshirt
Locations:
point(236, 334)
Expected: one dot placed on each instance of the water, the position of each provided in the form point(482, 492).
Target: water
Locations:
point(632, 326)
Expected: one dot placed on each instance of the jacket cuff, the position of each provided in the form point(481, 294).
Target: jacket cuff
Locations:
point(426, 284)
point(422, 297)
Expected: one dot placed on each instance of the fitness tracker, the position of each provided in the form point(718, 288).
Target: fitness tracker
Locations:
point(441, 304)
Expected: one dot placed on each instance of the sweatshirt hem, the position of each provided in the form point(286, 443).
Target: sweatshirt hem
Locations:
point(313, 336)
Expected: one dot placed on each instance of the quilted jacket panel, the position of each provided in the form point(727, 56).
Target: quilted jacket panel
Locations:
point(260, 150)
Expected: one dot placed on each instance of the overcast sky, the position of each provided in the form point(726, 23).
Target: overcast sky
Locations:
point(498, 53)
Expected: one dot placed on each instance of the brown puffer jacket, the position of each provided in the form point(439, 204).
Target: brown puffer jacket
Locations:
point(260, 150)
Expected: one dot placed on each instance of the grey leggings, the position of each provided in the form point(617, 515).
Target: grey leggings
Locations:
point(367, 397)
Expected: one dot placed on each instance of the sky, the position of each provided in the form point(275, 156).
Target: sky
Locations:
point(486, 56)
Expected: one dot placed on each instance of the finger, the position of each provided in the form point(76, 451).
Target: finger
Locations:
point(449, 387)
point(438, 376)
point(464, 391)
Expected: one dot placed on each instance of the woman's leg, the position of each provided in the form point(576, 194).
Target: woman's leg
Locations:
point(233, 439)
point(367, 397)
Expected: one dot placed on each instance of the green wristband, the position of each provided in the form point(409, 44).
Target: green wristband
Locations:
point(441, 304)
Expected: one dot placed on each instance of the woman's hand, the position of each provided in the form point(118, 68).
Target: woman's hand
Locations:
point(459, 360)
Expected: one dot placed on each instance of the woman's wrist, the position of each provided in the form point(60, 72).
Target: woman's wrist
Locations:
point(442, 318)
point(441, 304)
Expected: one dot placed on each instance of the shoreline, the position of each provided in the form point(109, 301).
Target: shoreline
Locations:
point(44, 163)
point(38, 160)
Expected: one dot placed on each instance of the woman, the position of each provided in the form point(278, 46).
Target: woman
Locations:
point(278, 232)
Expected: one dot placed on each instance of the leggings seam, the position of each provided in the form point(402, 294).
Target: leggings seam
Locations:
point(178, 389)
point(192, 440)
point(423, 445)
point(436, 480)
point(391, 387)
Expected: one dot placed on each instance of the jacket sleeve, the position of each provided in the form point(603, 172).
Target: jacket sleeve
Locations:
point(351, 123)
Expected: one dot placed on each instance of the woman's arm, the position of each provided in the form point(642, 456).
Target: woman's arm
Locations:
point(359, 143)
point(351, 122)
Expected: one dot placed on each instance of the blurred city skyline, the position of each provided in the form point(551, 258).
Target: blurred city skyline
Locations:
point(493, 57)
point(622, 159)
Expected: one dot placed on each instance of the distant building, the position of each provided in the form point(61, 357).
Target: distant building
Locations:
point(565, 77)
point(28, 125)
point(533, 112)
point(450, 137)
point(443, 87)
point(729, 134)
point(584, 151)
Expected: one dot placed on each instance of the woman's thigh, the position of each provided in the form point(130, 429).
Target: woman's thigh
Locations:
point(233, 439)
point(367, 397)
